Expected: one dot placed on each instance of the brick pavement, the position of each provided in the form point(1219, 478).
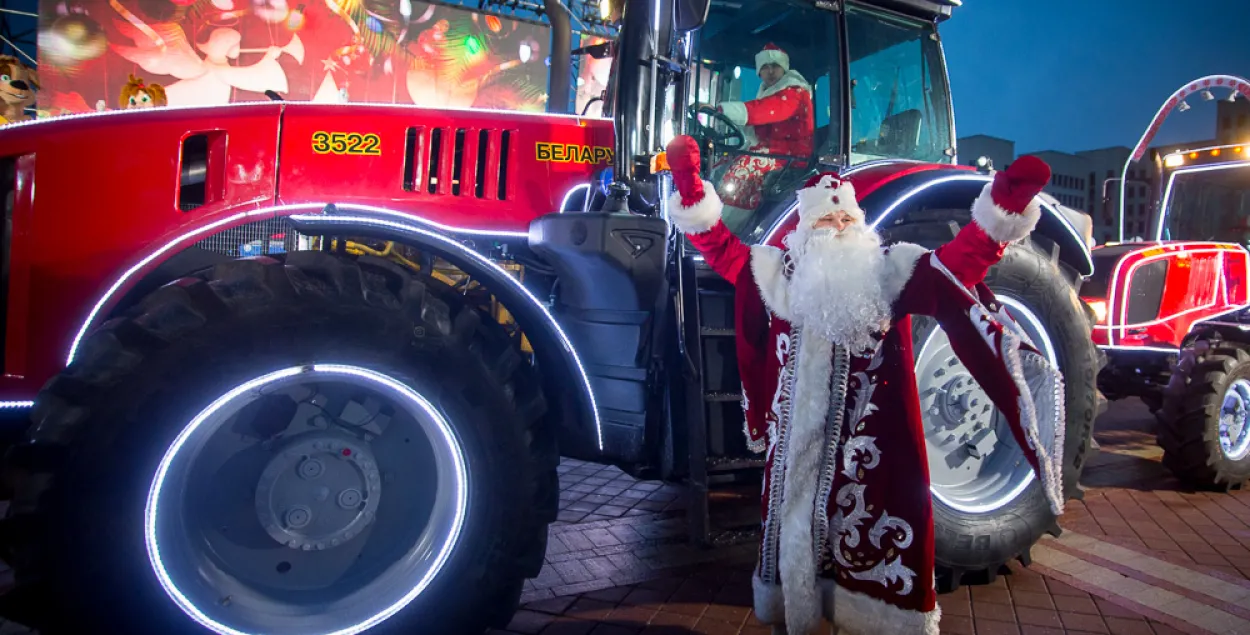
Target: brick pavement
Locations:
point(1138, 556)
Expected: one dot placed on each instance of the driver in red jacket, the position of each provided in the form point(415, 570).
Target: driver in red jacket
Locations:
point(778, 121)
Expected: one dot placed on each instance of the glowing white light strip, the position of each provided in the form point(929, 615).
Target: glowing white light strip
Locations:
point(121, 280)
point(151, 509)
point(299, 104)
point(1167, 191)
point(1128, 278)
point(473, 255)
point(1147, 349)
point(183, 238)
point(1202, 83)
point(1018, 309)
point(1089, 259)
point(11, 405)
point(565, 203)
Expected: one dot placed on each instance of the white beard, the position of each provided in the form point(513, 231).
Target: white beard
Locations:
point(836, 285)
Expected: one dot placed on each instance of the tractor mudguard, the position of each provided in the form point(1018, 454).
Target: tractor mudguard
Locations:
point(612, 285)
point(566, 381)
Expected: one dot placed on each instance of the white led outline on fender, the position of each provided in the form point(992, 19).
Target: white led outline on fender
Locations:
point(1167, 191)
point(1045, 205)
point(151, 506)
point(1144, 349)
point(564, 338)
point(567, 195)
point(12, 405)
point(274, 211)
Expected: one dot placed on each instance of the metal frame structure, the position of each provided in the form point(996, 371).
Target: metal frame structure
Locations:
point(19, 26)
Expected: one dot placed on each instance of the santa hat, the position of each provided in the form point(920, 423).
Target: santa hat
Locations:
point(825, 194)
point(772, 55)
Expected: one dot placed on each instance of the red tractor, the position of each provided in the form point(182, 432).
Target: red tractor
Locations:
point(305, 368)
point(1171, 311)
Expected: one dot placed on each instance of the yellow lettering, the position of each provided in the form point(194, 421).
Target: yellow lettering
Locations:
point(544, 151)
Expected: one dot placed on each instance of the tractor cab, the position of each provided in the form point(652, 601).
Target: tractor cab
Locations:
point(783, 88)
point(1206, 196)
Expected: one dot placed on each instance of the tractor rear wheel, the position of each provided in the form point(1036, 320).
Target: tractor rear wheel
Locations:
point(988, 507)
point(318, 445)
point(1204, 424)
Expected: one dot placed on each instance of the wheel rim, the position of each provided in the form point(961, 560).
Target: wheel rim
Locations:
point(253, 525)
point(1234, 435)
point(975, 465)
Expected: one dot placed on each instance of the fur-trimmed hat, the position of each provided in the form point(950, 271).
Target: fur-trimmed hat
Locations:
point(772, 54)
point(827, 193)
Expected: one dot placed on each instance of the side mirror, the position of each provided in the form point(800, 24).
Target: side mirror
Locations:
point(689, 15)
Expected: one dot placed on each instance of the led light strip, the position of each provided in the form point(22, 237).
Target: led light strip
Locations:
point(1115, 275)
point(302, 104)
point(1167, 191)
point(565, 203)
point(270, 211)
point(14, 405)
point(257, 385)
point(1128, 277)
point(473, 255)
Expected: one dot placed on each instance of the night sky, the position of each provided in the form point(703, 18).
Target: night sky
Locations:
point(1074, 75)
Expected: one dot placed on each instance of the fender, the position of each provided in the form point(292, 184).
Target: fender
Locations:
point(890, 191)
point(581, 430)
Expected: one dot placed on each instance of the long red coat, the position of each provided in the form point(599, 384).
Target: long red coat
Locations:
point(845, 430)
point(780, 121)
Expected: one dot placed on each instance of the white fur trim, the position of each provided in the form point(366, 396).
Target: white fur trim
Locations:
point(792, 79)
point(900, 263)
point(735, 111)
point(699, 217)
point(851, 612)
point(797, 553)
point(860, 614)
point(768, 267)
point(772, 56)
point(817, 200)
point(1000, 224)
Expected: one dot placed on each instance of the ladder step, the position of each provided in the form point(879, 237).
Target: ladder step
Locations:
point(729, 464)
point(708, 331)
point(722, 396)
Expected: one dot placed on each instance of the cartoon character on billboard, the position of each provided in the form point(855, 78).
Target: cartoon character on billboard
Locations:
point(137, 94)
point(18, 83)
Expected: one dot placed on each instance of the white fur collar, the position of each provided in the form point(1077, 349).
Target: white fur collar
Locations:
point(768, 267)
point(790, 80)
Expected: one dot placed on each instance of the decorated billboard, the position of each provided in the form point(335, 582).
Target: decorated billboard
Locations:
point(109, 54)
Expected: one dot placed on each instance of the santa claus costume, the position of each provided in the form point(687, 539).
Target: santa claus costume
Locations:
point(778, 121)
point(824, 347)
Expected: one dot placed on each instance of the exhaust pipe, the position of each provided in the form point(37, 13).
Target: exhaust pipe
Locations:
point(561, 56)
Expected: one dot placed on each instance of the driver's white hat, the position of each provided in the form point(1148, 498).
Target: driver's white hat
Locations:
point(772, 54)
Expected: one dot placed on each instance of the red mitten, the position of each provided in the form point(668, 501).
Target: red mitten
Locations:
point(1006, 210)
point(683, 161)
point(1015, 187)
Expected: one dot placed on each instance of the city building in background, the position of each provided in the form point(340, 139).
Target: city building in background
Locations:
point(1232, 122)
point(1000, 152)
point(1068, 176)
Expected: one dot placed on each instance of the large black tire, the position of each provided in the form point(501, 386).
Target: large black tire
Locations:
point(1189, 421)
point(73, 532)
point(972, 548)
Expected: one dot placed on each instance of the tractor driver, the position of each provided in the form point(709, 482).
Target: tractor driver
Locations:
point(778, 121)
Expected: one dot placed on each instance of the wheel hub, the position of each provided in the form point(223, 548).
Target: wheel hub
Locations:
point(1234, 437)
point(318, 491)
point(961, 405)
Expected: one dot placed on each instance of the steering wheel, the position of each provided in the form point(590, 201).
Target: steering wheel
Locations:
point(733, 139)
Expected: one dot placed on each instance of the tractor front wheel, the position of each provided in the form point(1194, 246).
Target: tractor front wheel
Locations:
point(325, 445)
point(1204, 424)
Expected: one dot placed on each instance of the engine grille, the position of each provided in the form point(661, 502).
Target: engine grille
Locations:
point(262, 238)
point(444, 161)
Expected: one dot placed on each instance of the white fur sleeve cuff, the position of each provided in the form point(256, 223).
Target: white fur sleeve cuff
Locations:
point(699, 217)
point(736, 111)
point(1000, 224)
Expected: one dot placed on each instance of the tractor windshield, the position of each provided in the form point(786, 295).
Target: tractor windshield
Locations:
point(770, 104)
point(1209, 205)
point(900, 104)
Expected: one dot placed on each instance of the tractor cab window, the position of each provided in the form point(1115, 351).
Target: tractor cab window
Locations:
point(1210, 205)
point(765, 106)
point(899, 99)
